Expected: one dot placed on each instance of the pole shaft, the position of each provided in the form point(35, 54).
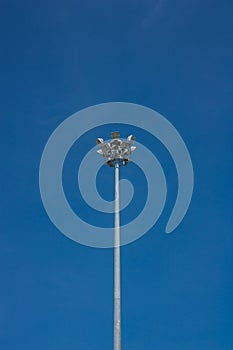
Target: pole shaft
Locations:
point(117, 286)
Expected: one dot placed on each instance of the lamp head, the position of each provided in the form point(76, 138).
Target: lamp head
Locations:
point(99, 141)
point(131, 138)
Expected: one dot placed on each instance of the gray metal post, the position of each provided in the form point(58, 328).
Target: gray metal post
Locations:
point(117, 152)
point(117, 278)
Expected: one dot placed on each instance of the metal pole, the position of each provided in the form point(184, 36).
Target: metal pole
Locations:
point(116, 152)
point(117, 285)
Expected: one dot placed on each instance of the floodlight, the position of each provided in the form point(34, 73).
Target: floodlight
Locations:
point(99, 141)
point(131, 138)
point(116, 151)
point(124, 144)
point(132, 148)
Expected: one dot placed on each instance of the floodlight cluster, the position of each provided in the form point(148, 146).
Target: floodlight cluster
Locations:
point(116, 150)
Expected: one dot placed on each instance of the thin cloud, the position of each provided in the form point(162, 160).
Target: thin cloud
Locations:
point(155, 12)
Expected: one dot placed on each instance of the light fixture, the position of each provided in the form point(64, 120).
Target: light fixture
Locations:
point(131, 138)
point(116, 150)
point(99, 141)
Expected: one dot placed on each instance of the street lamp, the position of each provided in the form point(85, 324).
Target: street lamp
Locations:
point(117, 152)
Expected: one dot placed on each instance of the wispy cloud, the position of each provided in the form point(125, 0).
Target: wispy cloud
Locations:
point(156, 11)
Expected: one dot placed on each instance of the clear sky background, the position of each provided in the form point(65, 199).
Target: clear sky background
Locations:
point(58, 57)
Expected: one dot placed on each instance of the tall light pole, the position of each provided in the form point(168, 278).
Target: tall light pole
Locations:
point(117, 152)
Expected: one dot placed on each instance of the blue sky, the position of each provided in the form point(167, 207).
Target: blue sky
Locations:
point(58, 57)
